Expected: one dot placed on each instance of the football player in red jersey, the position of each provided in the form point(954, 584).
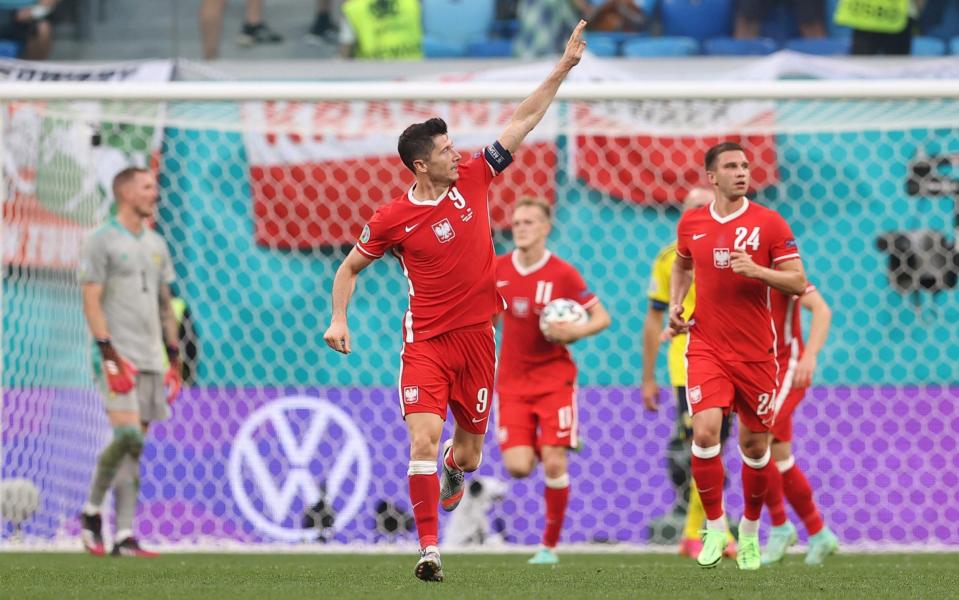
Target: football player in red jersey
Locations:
point(797, 363)
point(737, 250)
point(440, 232)
point(536, 382)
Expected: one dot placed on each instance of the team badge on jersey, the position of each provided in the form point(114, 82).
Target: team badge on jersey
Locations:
point(721, 258)
point(411, 394)
point(520, 307)
point(695, 395)
point(444, 231)
point(365, 235)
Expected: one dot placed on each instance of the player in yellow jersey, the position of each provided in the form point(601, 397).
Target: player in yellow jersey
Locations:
point(679, 445)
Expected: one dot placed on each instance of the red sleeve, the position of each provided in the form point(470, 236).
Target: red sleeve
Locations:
point(377, 236)
point(682, 238)
point(578, 289)
point(782, 245)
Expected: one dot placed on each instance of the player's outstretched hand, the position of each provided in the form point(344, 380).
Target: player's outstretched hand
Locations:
point(677, 324)
point(742, 263)
point(651, 395)
point(337, 336)
point(575, 46)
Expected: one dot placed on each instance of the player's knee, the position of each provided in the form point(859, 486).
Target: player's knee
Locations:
point(755, 455)
point(554, 469)
point(519, 471)
point(706, 437)
point(130, 438)
point(423, 447)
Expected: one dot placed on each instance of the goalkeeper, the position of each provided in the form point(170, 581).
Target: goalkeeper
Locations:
point(125, 274)
point(679, 445)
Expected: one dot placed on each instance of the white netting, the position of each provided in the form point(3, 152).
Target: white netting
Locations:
point(260, 202)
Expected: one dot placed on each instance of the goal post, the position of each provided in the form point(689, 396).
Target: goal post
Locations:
point(264, 189)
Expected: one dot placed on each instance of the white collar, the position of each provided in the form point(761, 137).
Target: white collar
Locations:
point(536, 266)
point(730, 216)
point(413, 200)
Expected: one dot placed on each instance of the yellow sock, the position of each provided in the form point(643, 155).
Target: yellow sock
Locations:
point(695, 515)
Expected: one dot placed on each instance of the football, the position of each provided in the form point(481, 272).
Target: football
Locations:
point(562, 310)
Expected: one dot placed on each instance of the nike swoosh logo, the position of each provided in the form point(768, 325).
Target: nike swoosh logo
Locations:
point(478, 420)
point(699, 235)
point(409, 229)
point(502, 283)
point(417, 504)
point(562, 434)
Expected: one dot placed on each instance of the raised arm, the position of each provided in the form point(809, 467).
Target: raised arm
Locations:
point(531, 110)
point(337, 335)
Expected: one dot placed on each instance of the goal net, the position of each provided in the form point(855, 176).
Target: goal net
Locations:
point(277, 439)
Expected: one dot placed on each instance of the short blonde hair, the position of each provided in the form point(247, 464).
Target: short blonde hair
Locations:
point(539, 203)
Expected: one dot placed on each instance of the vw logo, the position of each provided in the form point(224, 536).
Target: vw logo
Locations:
point(280, 455)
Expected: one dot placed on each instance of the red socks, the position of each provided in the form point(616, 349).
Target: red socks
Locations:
point(774, 495)
point(799, 493)
point(425, 498)
point(557, 497)
point(708, 471)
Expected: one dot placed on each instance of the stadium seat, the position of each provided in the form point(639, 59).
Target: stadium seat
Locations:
point(449, 26)
point(661, 46)
point(725, 46)
point(699, 19)
point(954, 45)
point(491, 48)
point(602, 46)
point(940, 19)
point(9, 49)
point(925, 45)
point(820, 46)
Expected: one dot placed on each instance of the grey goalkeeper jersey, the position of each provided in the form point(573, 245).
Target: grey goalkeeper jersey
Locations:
point(131, 269)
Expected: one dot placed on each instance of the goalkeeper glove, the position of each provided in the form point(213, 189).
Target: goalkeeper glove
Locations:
point(121, 374)
point(173, 380)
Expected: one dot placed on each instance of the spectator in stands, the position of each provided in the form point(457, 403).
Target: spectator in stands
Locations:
point(880, 26)
point(27, 23)
point(616, 15)
point(545, 25)
point(381, 29)
point(323, 29)
point(254, 30)
point(810, 15)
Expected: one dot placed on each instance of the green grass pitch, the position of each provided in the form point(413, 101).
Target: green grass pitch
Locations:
point(487, 576)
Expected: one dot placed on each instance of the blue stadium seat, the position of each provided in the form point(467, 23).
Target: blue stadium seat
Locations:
point(661, 46)
point(820, 46)
point(954, 45)
point(602, 46)
point(924, 45)
point(492, 48)
point(726, 46)
point(699, 19)
point(9, 49)
point(450, 25)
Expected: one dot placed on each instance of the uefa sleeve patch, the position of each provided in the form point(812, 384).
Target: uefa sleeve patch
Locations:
point(365, 234)
point(497, 156)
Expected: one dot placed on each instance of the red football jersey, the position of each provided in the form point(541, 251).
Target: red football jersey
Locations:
point(732, 318)
point(528, 363)
point(786, 315)
point(445, 247)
